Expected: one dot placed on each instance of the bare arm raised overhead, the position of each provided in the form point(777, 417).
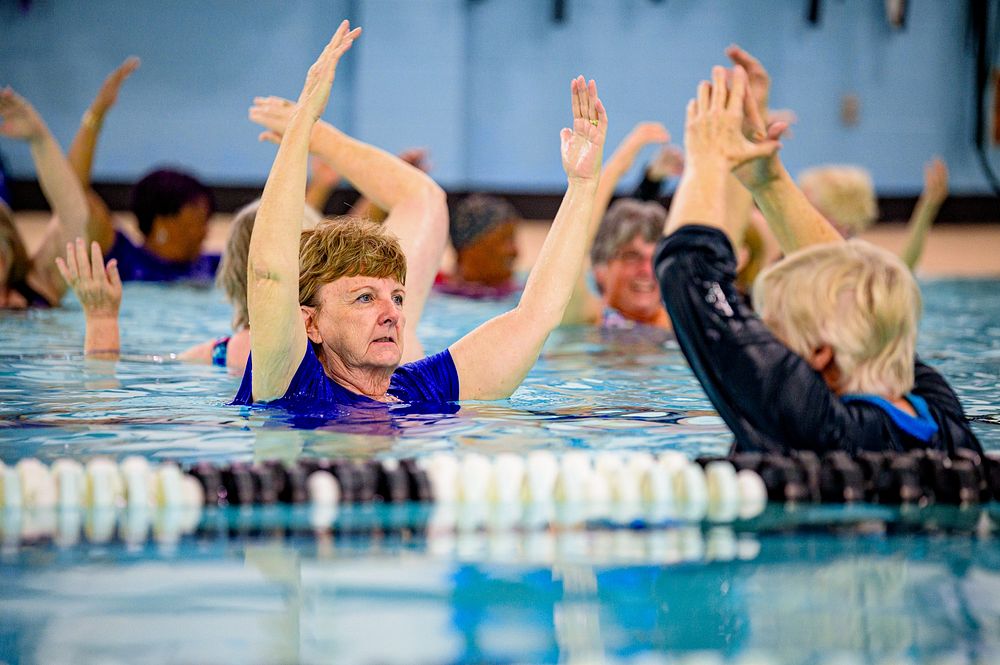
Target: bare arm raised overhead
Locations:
point(584, 306)
point(81, 151)
point(279, 338)
point(934, 193)
point(58, 182)
point(417, 206)
point(493, 359)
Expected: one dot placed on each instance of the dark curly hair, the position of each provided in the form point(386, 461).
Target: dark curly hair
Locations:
point(165, 192)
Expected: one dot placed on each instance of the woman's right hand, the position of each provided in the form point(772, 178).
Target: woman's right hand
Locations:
point(274, 113)
point(97, 287)
point(20, 119)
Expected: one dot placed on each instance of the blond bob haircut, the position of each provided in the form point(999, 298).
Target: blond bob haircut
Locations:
point(346, 247)
point(232, 274)
point(843, 194)
point(859, 299)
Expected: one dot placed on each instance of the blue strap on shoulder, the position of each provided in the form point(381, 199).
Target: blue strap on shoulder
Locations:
point(921, 426)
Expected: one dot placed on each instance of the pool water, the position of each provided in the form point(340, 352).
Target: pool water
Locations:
point(804, 586)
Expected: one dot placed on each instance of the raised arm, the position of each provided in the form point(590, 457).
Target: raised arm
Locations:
point(58, 182)
point(584, 306)
point(715, 145)
point(100, 226)
point(493, 359)
point(279, 337)
point(417, 206)
point(99, 290)
point(924, 214)
point(81, 151)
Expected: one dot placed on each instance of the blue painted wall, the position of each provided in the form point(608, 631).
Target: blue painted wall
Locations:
point(484, 83)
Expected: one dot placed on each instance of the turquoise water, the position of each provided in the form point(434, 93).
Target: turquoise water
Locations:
point(378, 589)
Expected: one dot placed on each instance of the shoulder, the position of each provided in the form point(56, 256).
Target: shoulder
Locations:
point(433, 378)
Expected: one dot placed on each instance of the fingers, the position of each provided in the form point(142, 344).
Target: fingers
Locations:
point(717, 99)
point(762, 149)
point(574, 89)
point(744, 59)
point(704, 95)
point(114, 279)
point(64, 271)
point(97, 261)
point(776, 129)
point(82, 262)
point(126, 68)
point(270, 137)
point(602, 115)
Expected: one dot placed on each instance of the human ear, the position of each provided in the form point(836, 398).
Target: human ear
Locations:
point(309, 319)
point(823, 360)
point(600, 276)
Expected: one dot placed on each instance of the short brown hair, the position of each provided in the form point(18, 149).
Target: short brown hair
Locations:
point(346, 247)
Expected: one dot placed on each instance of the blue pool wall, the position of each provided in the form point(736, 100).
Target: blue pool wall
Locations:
point(483, 83)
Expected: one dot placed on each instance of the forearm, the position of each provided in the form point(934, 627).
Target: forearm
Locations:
point(279, 337)
point(381, 177)
point(317, 194)
point(60, 185)
point(791, 217)
point(81, 151)
point(547, 291)
point(274, 243)
point(101, 339)
point(701, 199)
point(489, 365)
point(921, 220)
point(614, 168)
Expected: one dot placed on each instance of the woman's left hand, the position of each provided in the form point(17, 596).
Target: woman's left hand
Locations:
point(98, 288)
point(583, 145)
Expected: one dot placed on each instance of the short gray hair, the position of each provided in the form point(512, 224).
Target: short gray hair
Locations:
point(626, 219)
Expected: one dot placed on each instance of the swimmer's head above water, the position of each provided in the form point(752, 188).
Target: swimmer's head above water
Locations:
point(850, 309)
point(482, 231)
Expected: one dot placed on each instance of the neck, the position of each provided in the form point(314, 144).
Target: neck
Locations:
point(372, 382)
point(657, 317)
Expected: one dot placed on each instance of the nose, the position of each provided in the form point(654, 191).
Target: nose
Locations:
point(646, 267)
point(390, 313)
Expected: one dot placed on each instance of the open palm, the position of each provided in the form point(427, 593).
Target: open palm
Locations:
point(582, 146)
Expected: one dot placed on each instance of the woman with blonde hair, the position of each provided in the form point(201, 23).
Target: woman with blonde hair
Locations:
point(829, 362)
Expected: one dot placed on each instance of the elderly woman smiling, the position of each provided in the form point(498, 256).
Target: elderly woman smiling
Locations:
point(327, 305)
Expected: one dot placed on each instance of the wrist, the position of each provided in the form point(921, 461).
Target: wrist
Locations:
point(92, 118)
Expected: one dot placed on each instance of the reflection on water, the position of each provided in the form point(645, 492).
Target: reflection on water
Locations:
point(368, 587)
point(514, 596)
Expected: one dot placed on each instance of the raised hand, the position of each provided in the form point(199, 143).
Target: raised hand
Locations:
point(758, 78)
point(714, 123)
point(20, 120)
point(645, 133)
point(272, 113)
point(668, 163)
point(583, 145)
point(98, 287)
point(108, 94)
point(417, 157)
point(316, 91)
point(322, 174)
point(935, 181)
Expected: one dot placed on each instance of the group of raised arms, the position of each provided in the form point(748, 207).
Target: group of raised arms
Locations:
point(802, 338)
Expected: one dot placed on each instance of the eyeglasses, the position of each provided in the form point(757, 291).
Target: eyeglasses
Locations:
point(630, 257)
